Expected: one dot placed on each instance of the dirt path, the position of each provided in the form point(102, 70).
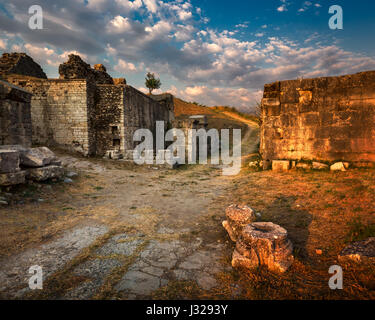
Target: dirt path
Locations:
point(124, 233)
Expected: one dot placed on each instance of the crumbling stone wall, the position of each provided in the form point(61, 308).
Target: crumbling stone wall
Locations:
point(84, 111)
point(60, 112)
point(76, 68)
point(326, 119)
point(141, 112)
point(108, 120)
point(15, 115)
point(20, 63)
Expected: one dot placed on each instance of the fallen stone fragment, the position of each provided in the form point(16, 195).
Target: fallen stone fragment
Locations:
point(9, 161)
point(263, 243)
point(10, 179)
point(45, 173)
point(338, 166)
point(320, 166)
point(37, 157)
point(237, 218)
point(361, 251)
point(304, 166)
point(280, 165)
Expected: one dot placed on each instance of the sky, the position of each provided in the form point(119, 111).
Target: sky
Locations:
point(214, 52)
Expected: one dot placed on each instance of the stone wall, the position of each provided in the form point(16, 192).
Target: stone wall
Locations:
point(15, 115)
point(60, 112)
point(326, 119)
point(108, 121)
point(141, 112)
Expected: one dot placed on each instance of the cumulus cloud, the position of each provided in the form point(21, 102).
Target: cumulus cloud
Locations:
point(170, 37)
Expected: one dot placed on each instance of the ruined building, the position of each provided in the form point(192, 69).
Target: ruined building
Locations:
point(85, 110)
point(324, 119)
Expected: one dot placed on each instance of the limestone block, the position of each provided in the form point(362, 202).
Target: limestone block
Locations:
point(10, 179)
point(237, 218)
point(320, 166)
point(9, 161)
point(45, 173)
point(37, 157)
point(263, 243)
point(338, 166)
point(304, 166)
point(280, 165)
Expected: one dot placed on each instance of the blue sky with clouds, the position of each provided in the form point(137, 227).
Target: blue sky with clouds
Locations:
point(212, 51)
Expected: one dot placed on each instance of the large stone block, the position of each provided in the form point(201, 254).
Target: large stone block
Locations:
point(45, 173)
point(37, 157)
point(237, 218)
point(9, 161)
point(263, 243)
point(280, 165)
point(10, 179)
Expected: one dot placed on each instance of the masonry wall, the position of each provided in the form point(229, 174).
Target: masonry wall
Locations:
point(324, 119)
point(141, 112)
point(61, 112)
point(15, 116)
point(108, 120)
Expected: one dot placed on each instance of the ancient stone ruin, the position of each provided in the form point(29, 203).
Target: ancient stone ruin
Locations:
point(85, 110)
point(327, 119)
point(18, 164)
point(359, 252)
point(15, 115)
point(257, 243)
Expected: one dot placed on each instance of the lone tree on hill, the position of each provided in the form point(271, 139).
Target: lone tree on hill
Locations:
point(151, 82)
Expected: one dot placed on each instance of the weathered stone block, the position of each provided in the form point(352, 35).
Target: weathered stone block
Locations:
point(10, 179)
point(45, 173)
point(9, 161)
point(263, 243)
point(37, 157)
point(237, 218)
point(320, 166)
point(280, 165)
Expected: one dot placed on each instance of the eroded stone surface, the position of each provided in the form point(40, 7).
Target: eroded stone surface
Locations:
point(45, 173)
point(37, 157)
point(51, 257)
point(263, 243)
point(9, 161)
point(280, 165)
point(120, 244)
point(238, 217)
point(10, 179)
point(96, 271)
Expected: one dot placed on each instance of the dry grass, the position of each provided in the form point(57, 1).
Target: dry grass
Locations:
point(320, 210)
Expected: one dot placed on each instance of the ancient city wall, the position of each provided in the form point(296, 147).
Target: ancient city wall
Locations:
point(108, 121)
point(15, 115)
point(60, 112)
point(141, 112)
point(324, 119)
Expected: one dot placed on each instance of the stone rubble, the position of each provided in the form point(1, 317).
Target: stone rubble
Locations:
point(18, 163)
point(360, 251)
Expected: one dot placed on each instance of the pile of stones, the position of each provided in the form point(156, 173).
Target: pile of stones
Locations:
point(19, 164)
point(257, 243)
